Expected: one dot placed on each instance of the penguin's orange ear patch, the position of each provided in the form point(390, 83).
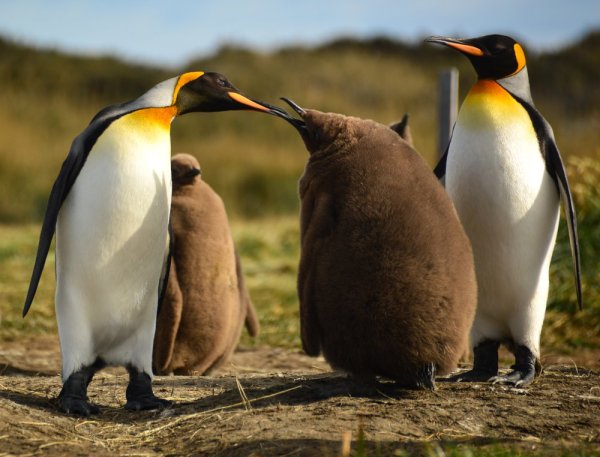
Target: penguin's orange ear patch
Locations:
point(520, 56)
point(183, 80)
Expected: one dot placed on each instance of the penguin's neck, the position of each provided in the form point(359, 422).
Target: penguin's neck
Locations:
point(518, 84)
point(149, 124)
point(154, 118)
point(488, 104)
point(140, 134)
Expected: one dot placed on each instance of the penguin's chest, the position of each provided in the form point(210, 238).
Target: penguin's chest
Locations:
point(113, 225)
point(130, 163)
point(495, 172)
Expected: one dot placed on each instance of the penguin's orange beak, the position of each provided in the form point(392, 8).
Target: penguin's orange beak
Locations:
point(456, 44)
point(256, 105)
point(247, 102)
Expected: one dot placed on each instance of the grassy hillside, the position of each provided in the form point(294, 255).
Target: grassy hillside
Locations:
point(252, 160)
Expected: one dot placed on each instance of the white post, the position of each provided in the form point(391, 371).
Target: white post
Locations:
point(447, 106)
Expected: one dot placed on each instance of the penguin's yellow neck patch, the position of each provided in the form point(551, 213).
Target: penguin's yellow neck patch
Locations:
point(155, 117)
point(489, 88)
point(149, 122)
point(488, 103)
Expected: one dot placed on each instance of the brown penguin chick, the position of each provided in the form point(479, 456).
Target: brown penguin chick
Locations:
point(206, 301)
point(386, 279)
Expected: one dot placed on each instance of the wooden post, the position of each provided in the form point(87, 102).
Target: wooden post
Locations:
point(447, 107)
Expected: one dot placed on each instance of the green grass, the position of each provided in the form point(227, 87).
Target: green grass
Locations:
point(270, 251)
point(269, 248)
point(566, 328)
point(18, 245)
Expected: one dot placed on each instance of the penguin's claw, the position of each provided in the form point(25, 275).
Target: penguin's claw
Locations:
point(485, 363)
point(524, 369)
point(147, 403)
point(77, 406)
point(473, 376)
point(516, 378)
point(139, 392)
point(73, 397)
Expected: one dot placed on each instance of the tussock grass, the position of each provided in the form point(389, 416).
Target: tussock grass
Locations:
point(566, 327)
point(254, 160)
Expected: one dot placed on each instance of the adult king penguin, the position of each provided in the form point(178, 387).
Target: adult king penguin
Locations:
point(110, 207)
point(504, 173)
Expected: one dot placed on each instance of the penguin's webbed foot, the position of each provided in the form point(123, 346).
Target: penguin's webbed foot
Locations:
point(77, 406)
point(473, 376)
point(73, 397)
point(524, 369)
point(516, 378)
point(139, 392)
point(147, 403)
point(485, 363)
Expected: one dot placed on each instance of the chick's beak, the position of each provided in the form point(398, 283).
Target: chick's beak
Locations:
point(193, 172)
point(298, 124)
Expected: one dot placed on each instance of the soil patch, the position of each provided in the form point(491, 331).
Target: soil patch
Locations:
point(271, 401)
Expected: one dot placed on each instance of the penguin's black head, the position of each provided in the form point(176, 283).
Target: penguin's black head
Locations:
point(209, 92)
point(492, 56)
point(185, 170)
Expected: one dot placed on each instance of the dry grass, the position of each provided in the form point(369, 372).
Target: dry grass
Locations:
point(252, 160)
point(268, 409)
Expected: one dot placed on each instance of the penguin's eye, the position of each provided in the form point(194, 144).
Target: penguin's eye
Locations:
point(222, 82)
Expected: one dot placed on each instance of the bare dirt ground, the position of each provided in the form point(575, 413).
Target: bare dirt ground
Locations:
point(271, 401)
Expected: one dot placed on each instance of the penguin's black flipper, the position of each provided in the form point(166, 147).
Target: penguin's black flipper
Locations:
point(69, 171)
point(554, 162)
point(164, 279)
point(440, 168)
point(556, 170)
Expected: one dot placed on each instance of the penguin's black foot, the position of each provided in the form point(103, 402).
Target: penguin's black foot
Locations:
point(73, 397)
point(485, 363)
point(524, 369)
point(473, 376)
point(516, 378)
point(77, 406)
point(147, 403)
point(139, 393)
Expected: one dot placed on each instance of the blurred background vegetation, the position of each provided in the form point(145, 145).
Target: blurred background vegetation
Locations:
point(254, 161)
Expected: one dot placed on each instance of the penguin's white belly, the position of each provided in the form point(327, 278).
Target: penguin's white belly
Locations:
point(110, 246)
point(509, 207)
